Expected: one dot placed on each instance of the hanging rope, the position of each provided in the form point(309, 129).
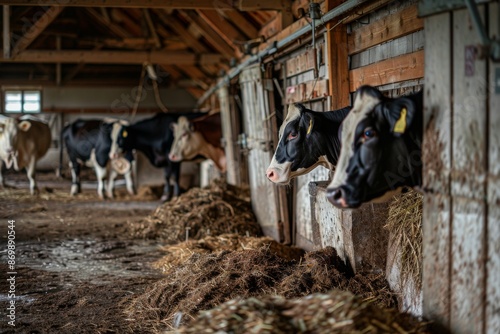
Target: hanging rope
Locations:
point(138, 95)
point(157, 97)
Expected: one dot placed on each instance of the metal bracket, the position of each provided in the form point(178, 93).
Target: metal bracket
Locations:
point(489, 46)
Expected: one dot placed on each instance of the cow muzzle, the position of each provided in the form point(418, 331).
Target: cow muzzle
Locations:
point(339, 198)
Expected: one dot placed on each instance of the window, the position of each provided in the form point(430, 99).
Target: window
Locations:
point(22, 101)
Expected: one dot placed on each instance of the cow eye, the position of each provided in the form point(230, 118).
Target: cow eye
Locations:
point(184, 135)
point(292, 135)
point(369, 133)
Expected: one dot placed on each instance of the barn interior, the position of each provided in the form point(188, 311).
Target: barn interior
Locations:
point(234, 252)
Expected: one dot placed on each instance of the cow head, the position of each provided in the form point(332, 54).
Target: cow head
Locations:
point(307, 139)
point(119, 135)
point(381, 149)
point(187, 142)
point(9, 131)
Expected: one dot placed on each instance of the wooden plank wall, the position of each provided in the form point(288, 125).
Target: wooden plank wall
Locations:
point(461, 176)
point(386, 46)
point(255, 120)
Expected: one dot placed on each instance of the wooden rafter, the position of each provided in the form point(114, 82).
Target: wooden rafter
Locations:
point(244, 5)
point(223, 27)
point(211, 35)
point(36, 29)
point(130, 25)
point(174, 24)
point(103, 21)
point(116, 57)
point(240, 21)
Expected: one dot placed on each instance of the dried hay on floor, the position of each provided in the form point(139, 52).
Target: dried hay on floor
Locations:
point(204, 281)
point(335, 312)
point(198, 213)
point(405, 225)
point(179, 253)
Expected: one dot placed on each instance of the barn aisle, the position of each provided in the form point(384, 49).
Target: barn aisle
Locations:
point(75, 261)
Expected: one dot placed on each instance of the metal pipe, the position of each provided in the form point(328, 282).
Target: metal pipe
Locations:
point(6, 32)
point(337, 11)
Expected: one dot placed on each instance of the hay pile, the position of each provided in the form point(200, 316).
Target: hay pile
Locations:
point(179, 253)
point(204, 281)
point(335, 312)
point(197, 213)
point(405, 225)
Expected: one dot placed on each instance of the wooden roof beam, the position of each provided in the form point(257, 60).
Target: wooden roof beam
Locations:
point(36, 29)
point(223, 27)
point(243, 5)
point(116, 57)
point(174, 24)
point(211, 35)
point(244, 25)
point(103, 21)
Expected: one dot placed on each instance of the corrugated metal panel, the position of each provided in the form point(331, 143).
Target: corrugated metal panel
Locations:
point(255, 120)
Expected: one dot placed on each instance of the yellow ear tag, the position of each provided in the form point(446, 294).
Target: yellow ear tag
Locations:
point(400, 125)
point(124, 134)
point(309, 129)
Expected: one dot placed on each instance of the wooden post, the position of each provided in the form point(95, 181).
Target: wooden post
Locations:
point(337, 53)
point(436, 156)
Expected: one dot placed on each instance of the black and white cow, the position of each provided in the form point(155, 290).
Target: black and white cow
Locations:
point(153, 137)
point(89, 142)
point(307, 139)
point(381, 148)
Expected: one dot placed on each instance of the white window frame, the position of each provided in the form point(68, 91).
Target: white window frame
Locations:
point(23, 90)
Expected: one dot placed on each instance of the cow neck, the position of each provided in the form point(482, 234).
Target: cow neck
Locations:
point(217, 155)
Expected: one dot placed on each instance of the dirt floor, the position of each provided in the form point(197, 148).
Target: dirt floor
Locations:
point(74, 260)
point(84, 265)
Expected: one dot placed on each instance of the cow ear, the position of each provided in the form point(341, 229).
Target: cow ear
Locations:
point(308, 122)
point(24, 126)
point(173, 126)
point(400, 115)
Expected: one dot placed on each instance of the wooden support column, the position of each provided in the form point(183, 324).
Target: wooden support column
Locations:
point(337, 53)
point(6, 32)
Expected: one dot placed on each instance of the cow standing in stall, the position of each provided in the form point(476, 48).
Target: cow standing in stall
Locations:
point(22, 143)
point(198, 137)
point(307, 139)
point(381, 148)
point(89, 142)
point(154, 138)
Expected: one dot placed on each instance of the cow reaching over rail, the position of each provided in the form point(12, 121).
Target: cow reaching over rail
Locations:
point(307, 139)
point(154, 138)
point(89, 142)
point(200, 136)
point(22, 143)
point(381, 148)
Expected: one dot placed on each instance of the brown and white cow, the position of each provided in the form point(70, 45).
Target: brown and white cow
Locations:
point(22, 143)
point(201, 136)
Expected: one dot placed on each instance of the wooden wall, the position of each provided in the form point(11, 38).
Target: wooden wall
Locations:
point(461, 172)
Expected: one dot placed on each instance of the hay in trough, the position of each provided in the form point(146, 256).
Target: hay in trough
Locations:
point(179, 253)
point(199, 212)
point(405, 225)
point(335, 312)
point(204, 281)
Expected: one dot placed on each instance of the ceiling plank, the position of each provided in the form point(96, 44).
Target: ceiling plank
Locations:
point(36, 29)
point(116, 57)
point(212, 36)
point(114, 28)
point(129, 24)
point(244, 5)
